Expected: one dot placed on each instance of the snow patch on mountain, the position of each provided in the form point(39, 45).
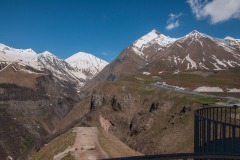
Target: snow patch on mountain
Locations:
point(193, 64)
point(208, 89)
point(146, 73)
point(219, 62)
point(233, 90)
point(202, 66)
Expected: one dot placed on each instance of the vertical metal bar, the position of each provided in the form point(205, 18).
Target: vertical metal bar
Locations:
point(225, 114)
point(208, 129)
point(224, 137)
point(235, 116)
point(215, 136)
point(200, 132)
point(234, 130)
point(233, 139)
point(217, 133)
point(213, 124)
point(229, 129)
point(239, 125)
point(212, 131)
point(203, 133)
point(208, 134)
point(196, 135)
point(221, 124)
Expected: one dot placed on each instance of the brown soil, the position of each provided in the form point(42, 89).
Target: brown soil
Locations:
point(20, 78)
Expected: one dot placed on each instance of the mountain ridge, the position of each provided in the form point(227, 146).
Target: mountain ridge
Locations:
point(155, 52)
point(56, 65)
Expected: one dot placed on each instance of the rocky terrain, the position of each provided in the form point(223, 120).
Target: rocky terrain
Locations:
point(30, 108)
point(155, 120)
point(123, 98)
point(36, 92)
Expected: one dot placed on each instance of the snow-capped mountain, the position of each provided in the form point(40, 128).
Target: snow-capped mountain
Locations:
point(232, 42)
point(199, 51)
point(153, 40)
point(46, 61)
point(155, 52)
point(86, 63)
point(23, 56)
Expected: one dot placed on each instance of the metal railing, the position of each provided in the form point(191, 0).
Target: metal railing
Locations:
point(217, 130)
point(216, 136)
point(183, 156)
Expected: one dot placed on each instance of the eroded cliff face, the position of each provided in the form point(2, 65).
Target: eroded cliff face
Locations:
point(147, 121)
point(29, 115)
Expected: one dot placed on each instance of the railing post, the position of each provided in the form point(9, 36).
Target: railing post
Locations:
point(203, 133)
point(196, 132)
point(224, 137)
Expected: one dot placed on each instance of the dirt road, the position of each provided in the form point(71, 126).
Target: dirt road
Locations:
point(87, 145)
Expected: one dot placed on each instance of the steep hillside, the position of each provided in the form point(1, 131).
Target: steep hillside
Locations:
point(126, 63)
point(84, 143)
point(148, 119)
point(134, 58)
point(31, 105)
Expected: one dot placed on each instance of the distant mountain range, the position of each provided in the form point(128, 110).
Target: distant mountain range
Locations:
point(155, 52)
point(76, 69)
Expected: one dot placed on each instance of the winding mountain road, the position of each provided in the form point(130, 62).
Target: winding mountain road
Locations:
point(197, 93)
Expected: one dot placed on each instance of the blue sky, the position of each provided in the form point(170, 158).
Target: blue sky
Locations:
point(105, 27)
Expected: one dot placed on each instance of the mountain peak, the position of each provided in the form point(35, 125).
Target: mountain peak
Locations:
point(155, 31)
point(154, 35)
point(79, 56)
point(196, 35)
point(86, 63)
point(231, 38)
point(195, 32)
point(30, 50)
point(46, 53)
